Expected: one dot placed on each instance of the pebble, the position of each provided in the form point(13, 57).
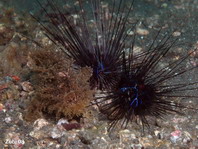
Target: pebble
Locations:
point(141, 31)
point(58, 146)
point(175, 135)
point(62, 121)
point(57, 132)
point(40, 123)
point(130, 33)
point(136, 146)
point(158, 134)
point(126, 136)
point(20, 116)
point(187, 137)
point(194, 53)
point(26, 86)
point(40, 134)
point(2, 107)
point(45, 41)
point(8, 119)
point(176, 34)
point(137, 50)
point(72, 138)
point(164, 5)
point(179, 120)
point(86, 137)
point(146, 142)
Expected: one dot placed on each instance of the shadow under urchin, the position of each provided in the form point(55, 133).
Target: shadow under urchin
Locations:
point(135, 86)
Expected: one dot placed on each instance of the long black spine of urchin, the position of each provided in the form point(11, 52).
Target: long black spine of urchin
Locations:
point(146, 90)
point(99, 47)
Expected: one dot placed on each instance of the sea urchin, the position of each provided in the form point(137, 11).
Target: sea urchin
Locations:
point(145, 89)
point(97, 42)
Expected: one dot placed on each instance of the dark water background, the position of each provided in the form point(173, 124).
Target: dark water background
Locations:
point(180, 15)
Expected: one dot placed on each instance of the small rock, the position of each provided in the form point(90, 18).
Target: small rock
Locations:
point(39, 134)
point(57, 132)
point(20, 116)
point(137, 146)
point(39, 123)
point(86, 137)
point(164, 5)
point(130, 33)
point(2, 107)
point(158, 134)
point(141, 31)
point(46, 41)
point(58, 146)
point(126, 136)
point(26, 86)
point(8, 119)
point(176, 34)
point(187, 137)
point(194, 53)
point(179, 120)
point(62, 121)
point(175, 135)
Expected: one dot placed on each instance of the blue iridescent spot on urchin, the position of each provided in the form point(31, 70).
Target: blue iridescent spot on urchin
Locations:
point(135, 100)
point(99, 68)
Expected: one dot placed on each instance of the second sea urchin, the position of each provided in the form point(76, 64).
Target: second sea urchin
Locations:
point(145, 89)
